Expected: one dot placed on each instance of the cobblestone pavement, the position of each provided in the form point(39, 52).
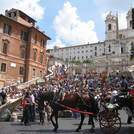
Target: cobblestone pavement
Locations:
point(66, 126)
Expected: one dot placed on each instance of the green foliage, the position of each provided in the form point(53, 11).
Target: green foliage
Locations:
point(48, 50)
point(132, 58)
point(87, 61)
point(75, 61)
point(78, 61)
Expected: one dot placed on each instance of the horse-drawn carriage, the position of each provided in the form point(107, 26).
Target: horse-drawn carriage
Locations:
point(109, 120)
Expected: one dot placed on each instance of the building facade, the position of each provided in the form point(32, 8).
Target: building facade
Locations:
point(22, 48)
point(115, 48)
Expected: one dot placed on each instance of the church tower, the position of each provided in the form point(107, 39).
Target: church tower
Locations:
point(110, 26)
point(129, 19)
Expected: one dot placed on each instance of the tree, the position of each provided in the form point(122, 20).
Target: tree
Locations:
point(48, 50)
point(87, 61)
point(75, 61)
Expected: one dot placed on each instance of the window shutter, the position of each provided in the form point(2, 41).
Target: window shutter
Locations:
point(4, 28)
point(9, 31)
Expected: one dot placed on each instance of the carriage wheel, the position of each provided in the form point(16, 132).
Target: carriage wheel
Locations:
point(110, 123)
point(102, 113)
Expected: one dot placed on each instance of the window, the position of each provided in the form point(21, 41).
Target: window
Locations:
point(42, 43)
point(86, 51)
point(34, 56)
point(7, 29)
point(86, 57)
point(30, 21)
point(95, 48)
point(22, 16)
point(40, 73)
point(9, 14)
point(22, 53)
point(41, 59)
point(109, 27)
point(3, 67)
point(5, 48)
point(82, 57)
point(33, 73)
point(23, 35)
point(82, 51)
point(95, 53)
point(109, 47)
point(14, 14)
point(21, 70)
point(35, 39)
point(78, 57)
point(122, 50)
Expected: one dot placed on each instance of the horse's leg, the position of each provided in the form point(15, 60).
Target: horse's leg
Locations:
point(51, 118)
point(56, 120)
point(82, 119)
point(89, 120)
point(92, 123)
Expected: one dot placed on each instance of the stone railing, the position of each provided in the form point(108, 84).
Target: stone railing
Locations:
point(38, 79)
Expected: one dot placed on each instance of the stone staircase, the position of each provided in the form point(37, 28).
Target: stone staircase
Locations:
point(38, 79)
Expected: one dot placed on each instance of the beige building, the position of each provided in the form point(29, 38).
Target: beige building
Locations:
point(22, 48)
point(115, 48)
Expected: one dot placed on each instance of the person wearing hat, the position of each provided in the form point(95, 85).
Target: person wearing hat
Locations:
point(121, 91)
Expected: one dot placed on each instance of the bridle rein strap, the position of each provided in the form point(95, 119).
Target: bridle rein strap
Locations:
point(82, 100)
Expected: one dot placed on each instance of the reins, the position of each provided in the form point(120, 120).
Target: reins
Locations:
point(83, 112)
point(83, 100)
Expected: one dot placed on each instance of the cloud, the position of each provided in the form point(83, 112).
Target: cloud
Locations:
point(117, 5)
point(30, 7)
point(71, 29)
point(122, 20)
point(56, 43)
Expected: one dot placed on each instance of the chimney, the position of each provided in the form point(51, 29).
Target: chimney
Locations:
point(6, 12)
point(43, 32)
point(37, 27)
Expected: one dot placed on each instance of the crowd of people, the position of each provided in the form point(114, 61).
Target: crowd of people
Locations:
point(94, 83)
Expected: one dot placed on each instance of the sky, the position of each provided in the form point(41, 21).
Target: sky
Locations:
point(71, 22)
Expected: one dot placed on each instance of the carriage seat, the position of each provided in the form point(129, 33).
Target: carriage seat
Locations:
point(126, 94)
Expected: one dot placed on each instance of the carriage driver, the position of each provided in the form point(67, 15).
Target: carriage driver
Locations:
point(121, 91)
